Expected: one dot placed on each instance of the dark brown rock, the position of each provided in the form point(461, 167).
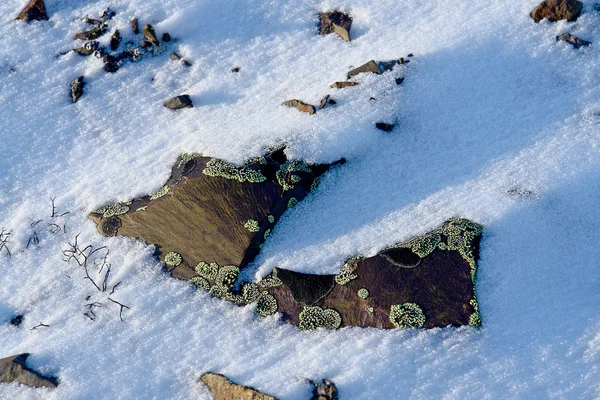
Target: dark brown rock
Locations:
point(135, 26)
point(145, 44)
point(91, 34)
point(371, 66)
point(77, 88)
point(335, 21)
point(178, 102)
point(87, 49)
point(573, 40)
point(212, 211)
point(300, 105)
point(384, 126)
point(235, 69)
point(13, 369)
point(166, 37)
point(555, 10)
point(35, 10)
point(426, 282)
point(115, 40)
point(93, 21)
point(223, 389)
point(323, 102)
point(107, 15)
point(399, 81)
point(17, 320)
point(150, 34)
point(111, 63)
point(326, 390)
point(343, 84)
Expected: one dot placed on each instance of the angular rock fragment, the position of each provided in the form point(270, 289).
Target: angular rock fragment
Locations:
point(426, 282)
point(77, 88)
point(111, 63)
point(17, 320)
point(300, 105)
point(326, 390)
point(107, 15)
point(213, 214)
point(166, 37)
point(93, 21)
point(176, 57)
point(150, 34)
point(145, 44)
point(35, 10)
point(235, 69)
point(555, 10)
point(14, 369)
point(324, 101)
point(178, 102)
point(223, 389)
point(115, 40)
point(87, 49)
point(335, 21)
point(91, 34)
point(573, 40)
point(371, 66)
point(135, 26)
point(399, 80)
point(343, 84)
point(384, 126)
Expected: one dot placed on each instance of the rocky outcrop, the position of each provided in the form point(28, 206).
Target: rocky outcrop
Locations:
point(34, 11)
point(555, 10)
point(335, 21)
point(14, 369)
point(211, 215)
point(223, 389)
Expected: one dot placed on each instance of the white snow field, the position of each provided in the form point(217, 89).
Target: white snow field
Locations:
point(491, 102)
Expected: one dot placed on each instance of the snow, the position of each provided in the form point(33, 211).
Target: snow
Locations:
point(491, 102)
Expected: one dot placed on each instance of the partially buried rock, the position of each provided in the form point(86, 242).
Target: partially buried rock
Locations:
point(573, 40)
point(166, 37)
point(555, 10)
point(150, 34)
point(326, 390)
point(371, 66)
point(91, 34)
point(426, 282)
point(135, 26)
point(343, 84)
point(300, 105)
point(13, 369)
point(17, 320)
point(115, 40)
point(87, 49)
point(77, 88)
point(335, 21)
point(35, 10)
point(384, 126)
point(223, 389)
point(178, 102)
point(111, 63)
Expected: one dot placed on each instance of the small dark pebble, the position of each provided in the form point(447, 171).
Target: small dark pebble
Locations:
point(145, 44)
point(235, 69)
point(323, 102)
point(175, 57)
point(77, 88)
point(93, 21)
point(115, 40)
point(135, 26)
point(150, 34)
point(166, 37)
point(16, 320)
point(110, 63)
point(573, 40)
point(399, 81)
point(108, 14)
point(410, 55)
point(384, 126)
point(178, 102)
point(87, 49)
point(372, 98)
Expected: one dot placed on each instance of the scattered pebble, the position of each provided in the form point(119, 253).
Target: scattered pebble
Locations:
point(178, 102)
point(77, 89)
point(343, 84)
point(300, 105)
point(573, 40)
point(335, 21)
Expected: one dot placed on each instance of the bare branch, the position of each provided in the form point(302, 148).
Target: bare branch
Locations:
point(4, 236)
point(39, 326)
point(121, 309)
point(114, 287)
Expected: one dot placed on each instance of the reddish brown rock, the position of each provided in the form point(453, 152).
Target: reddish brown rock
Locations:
point(14, 369)
point(371, 67)
point(223, 389)
point(335, 21)
point(300, 105)
point(343, 84)
point(35, 10)
point(150, 34)
point(555, 10)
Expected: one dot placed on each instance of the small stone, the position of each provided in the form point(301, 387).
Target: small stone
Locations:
point(573, 40)
point(175, 57)
point(77, 89)
point(371, 66)
point(384, 126)
point(16, 320)
point(135, 26)
point(325, 391)
point(323, 102)
point(555, 10)
point(186, 63)
point(223, 389)
point(115, 40)
point(110, 63)
point(332, 102)
point(178, 102)
point(410, 55)
point(87, 49)
point(235, 69)
point(13, 369)
point(93, 21)
point(107, 14)
point(300, 105)
point(35, 10)
point(344, 84)
point(145, 44)
point(399, 81)
point(166, 37)
point(150, 35)
point(91, 34)
point(335, 21)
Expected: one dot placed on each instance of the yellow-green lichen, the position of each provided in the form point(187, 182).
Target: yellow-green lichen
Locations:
point(292, 202)
point(163, 191)
point(266, 305)
point(250, 292)
point(207, 271)
point(271, 219)
point(269, 282)
point(371, 309)
point(216, 167)
point(186, 157)
point(347, 275)
point(173, 259)
point(363, 293)
point(200, 283)
point(142, 208)
point(227, 276)
point(252, 225)
point(112, 210)
point(475, 317)
point(286, 175)
point(316, 317)
point(407, 315)
point(267, 233)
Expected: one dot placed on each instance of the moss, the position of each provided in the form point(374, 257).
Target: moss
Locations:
point(269, 282)
point(347, 273)
point(271, 219)
point(112, 210)
point(173, 259)
point(252, 225)
point(363, 293)
point(316, 317)
point(163, 191)
point(227, 276)
point(207, 271)
point(407, 315)
point(266, 305)
point(267, 233)
point(200, 283)
point(216, 167)
point(292, 202)
point(286, 176)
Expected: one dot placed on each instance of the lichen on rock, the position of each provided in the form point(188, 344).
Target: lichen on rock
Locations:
point(252, 225)
point(173, 259)
point(316, 317)
point(266, 305)
point(407, 315)
point(112, 210)
point(216, 167)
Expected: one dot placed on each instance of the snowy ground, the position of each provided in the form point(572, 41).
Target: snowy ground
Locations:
point(491, 102)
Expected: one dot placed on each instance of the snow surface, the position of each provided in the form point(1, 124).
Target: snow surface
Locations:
point(491, 102)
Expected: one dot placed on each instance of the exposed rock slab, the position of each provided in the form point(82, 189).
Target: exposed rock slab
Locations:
point(223, 389)
point(35, 10)
point(426, 282)
point(212, 213)
point(14, 369)
point(555, 10)
point(335, 21)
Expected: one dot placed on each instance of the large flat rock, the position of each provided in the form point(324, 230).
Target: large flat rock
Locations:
point(14, 369)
